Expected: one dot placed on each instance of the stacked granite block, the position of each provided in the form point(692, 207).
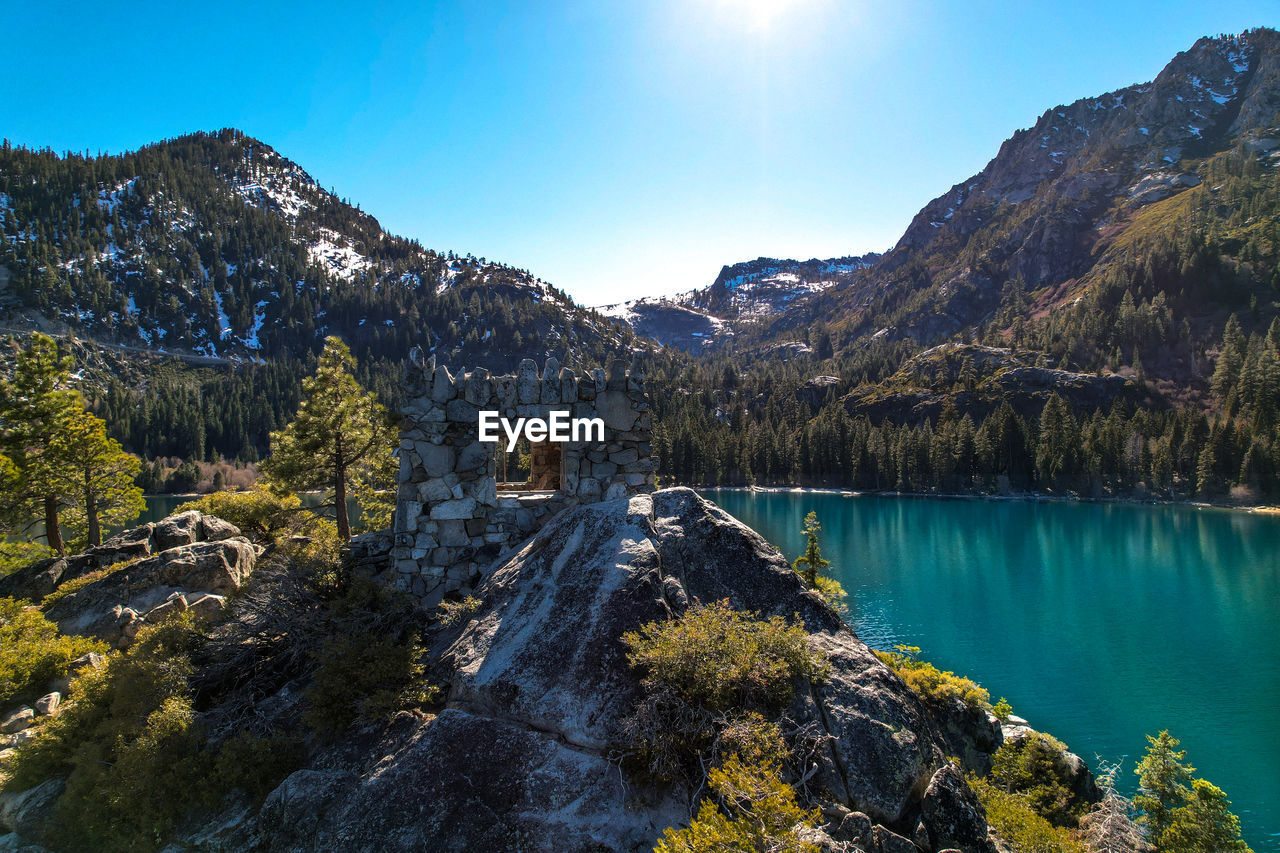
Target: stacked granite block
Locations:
point(450, 520)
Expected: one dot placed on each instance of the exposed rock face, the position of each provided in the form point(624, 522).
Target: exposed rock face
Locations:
point(910, 395)
point(517, 759)
point(41, 578)
point(700, 320)
point(202, 559)
point(115, 607)
point(27, 813)
point(953, 817)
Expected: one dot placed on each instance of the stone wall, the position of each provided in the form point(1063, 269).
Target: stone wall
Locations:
point(451, 520)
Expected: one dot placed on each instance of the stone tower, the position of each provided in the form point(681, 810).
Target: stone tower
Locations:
point(453, 515)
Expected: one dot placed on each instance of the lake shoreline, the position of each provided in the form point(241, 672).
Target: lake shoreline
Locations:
point(1029, 497)
point(1092, 620)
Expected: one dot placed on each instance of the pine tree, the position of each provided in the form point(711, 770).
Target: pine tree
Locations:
point(1204, 825)
point(334, 433)
point(1163, 777)
point(1226, 372)
point(810, 563)
point(102, 490)
point(36, 410)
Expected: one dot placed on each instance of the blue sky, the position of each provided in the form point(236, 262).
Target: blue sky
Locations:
point(615, 149)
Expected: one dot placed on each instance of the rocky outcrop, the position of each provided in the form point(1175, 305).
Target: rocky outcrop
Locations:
point(39, 579)
point(931, 381)
point(1077, 776)
point(518, 758)
point(186, 561)
point(27, 814)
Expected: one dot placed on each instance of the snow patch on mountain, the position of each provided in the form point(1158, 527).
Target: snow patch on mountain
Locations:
point(337, 256)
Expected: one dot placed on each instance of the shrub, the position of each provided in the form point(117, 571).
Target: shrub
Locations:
point(317, 555)
point(1002, 710)
point(111, 705)
point(128, 745)
point(1036, 768)
point(365, 675)
point(453, 612)
point(19, 555)
point(750, 806)
point(833, 594)
point(369, 664)
point(931, 683)
point(719, 658)
point(1013, 818)
point(32, 652)
point(259, 513)
point(702, 671)
point(255, 763)
point(134, 756)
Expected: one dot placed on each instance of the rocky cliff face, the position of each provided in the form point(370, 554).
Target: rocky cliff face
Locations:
point(743, 294)
point(519, 756)
point(1069, 201)
point(927, 383)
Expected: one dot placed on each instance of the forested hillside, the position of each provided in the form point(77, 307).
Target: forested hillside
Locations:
point(1104, 293)
point(216, 244)
point(1094, 313)
point(215, 248)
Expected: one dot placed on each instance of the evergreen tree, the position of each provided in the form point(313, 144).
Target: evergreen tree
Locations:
point(334, 434)
point(810, 563)
point(1163, 777)
point(1204, 825)
point(102, 489)
point(36, 409)
point(811, 566)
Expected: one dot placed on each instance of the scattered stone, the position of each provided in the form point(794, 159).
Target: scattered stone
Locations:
point(17, 739)
point(171, 606)
point(17, 720)
point(160, 585)
point(48, 704)
point(215, 529)
point(208, 604)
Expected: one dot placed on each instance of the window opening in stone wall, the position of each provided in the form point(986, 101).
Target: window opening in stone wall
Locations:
point(513, 468)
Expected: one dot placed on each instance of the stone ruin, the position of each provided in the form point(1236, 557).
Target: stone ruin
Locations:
point(453, 517)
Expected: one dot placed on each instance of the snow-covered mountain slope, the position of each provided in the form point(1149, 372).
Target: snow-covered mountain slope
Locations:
point(217, 244)
point(743, 294)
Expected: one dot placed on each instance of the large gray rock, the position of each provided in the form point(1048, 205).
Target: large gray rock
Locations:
point(181, 529)
point(27, 813)
point(462, 781)
point(18, 720)
point(517, 759)
point(37, 580)
point(952, 814)
point(107, 608)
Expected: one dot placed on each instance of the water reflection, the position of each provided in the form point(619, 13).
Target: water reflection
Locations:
point(1099, 622)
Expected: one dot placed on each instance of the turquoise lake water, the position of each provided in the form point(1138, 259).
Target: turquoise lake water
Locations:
point(1099, 622)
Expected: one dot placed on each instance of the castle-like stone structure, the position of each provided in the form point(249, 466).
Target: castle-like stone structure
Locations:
point(453, 516)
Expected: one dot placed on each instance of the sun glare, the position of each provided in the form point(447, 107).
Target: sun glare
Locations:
point(756, 15)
